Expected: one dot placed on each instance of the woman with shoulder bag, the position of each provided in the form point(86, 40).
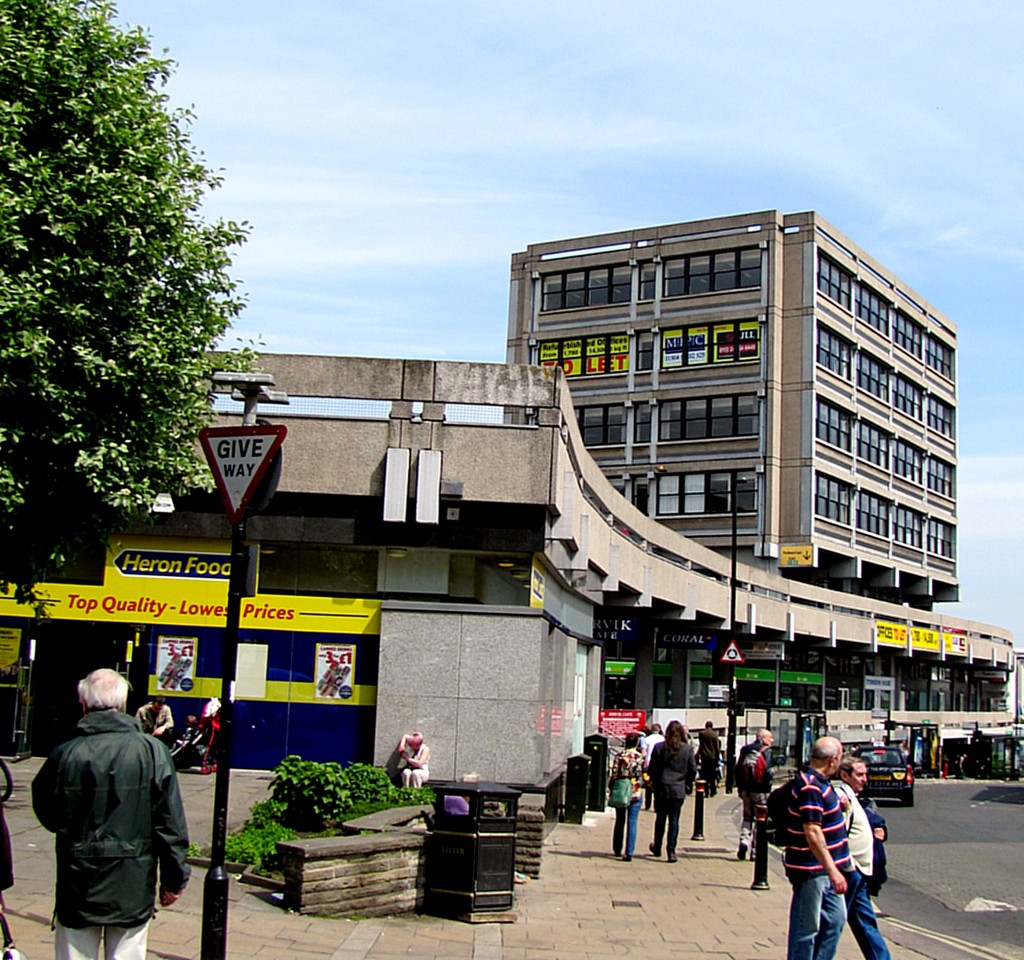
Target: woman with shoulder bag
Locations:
point(626, 791)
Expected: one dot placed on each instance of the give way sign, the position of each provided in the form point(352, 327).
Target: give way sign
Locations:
point(239, 457)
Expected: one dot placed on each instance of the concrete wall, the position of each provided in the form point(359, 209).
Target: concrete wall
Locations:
point(480, 684)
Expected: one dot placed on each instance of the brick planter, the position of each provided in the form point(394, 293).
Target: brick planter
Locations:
point(370, 876)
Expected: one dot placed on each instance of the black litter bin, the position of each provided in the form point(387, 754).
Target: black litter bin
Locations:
point(596, 747)
point(471, 853)
point(577, 779)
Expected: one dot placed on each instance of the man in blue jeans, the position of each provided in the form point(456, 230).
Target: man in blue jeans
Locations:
point(817, 854)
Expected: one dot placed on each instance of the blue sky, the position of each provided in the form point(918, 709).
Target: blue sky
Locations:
point(391, 157)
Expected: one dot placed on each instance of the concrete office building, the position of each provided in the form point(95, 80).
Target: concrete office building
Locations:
point(767, 356)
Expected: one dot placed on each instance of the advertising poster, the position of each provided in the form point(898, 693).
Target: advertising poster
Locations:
point(175, 664)
point(10, 646)
point(335, 665)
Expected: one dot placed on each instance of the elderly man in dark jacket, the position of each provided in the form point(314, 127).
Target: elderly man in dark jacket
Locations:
point(111, 796)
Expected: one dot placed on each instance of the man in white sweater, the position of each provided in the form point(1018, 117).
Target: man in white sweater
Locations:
point(860, 914)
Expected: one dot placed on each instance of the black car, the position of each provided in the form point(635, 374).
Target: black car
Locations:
point(890, 773)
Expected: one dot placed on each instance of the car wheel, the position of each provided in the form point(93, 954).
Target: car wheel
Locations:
point(908, 800)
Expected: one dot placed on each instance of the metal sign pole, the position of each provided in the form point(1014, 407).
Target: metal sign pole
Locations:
point(241, 459)
point(215, 887)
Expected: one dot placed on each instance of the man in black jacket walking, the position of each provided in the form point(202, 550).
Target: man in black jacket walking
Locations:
point(110, 794)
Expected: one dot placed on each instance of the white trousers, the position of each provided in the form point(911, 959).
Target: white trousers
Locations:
point(83, 943)
point(414, 777)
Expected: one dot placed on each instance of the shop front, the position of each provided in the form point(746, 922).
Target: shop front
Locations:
point(307, 665)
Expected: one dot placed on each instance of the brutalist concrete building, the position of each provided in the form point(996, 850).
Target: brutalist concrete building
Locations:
point(763, 385)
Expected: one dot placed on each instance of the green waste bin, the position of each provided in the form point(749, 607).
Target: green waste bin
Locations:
point(596, 747)
point(577, 777)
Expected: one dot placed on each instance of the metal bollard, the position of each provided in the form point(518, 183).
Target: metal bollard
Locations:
point(760, 848)
point(698, 810)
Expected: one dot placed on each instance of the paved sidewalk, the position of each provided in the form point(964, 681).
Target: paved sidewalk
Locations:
point(586, 905)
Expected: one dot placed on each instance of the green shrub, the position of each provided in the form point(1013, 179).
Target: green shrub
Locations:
point(266, 811)
point(367, 784)
point(410, 796)
point(257, 845)
point(309, 794)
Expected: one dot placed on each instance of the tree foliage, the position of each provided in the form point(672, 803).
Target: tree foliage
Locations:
point(113, 289)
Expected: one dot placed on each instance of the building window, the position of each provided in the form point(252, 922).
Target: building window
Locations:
point(704, 417)
point(834, 353)
point(833, 425)
point(603, 425)
point(941, 477)
point(586, 288)
point(906, 397)
point(648, 275)
point(907, 461)
point(704, 493)
point(670, 420)
point(645, 351)
point(908, 527)
point(710, 343)
point(833, 281)
point(832, 499)
point(872, 514)
point(872, 444)
point(640, 494)
point(872, 376)
point(907, 334)
point(587, 356)
point(668, 495)
point(873, 310)
point(707, 272)
point(940, 416)
point(642, 423)
point(712, 493)
point(940, 539)
point(939, 357)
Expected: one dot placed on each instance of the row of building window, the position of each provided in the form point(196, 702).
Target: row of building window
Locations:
point(697, 418)
point(837, 285)
point(693, 493)
point(835, 500)
point(682, 276)
point(693, 346)
point(874, 377)
point(835, 426)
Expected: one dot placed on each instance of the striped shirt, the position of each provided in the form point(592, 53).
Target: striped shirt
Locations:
point(814, 801)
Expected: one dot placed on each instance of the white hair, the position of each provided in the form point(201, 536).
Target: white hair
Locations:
point(103, 690)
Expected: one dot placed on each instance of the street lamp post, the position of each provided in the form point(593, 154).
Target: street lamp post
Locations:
point(730, 740)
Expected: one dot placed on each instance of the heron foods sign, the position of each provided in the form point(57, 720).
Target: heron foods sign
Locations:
point(168, 583)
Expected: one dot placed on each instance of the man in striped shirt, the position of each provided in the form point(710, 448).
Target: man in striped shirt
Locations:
point(816, 856)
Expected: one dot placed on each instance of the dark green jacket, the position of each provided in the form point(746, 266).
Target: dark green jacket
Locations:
point(110, 794)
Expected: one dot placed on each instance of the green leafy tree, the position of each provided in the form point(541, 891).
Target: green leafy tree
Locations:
point(113, 289)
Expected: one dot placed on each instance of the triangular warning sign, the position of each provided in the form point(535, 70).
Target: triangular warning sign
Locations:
point(239, 457)
point(732, 653)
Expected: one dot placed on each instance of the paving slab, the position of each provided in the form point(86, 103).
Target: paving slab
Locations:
point(586, 905)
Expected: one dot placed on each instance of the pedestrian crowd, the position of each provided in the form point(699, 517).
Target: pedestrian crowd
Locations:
point(653, 766)
point(834, 853)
